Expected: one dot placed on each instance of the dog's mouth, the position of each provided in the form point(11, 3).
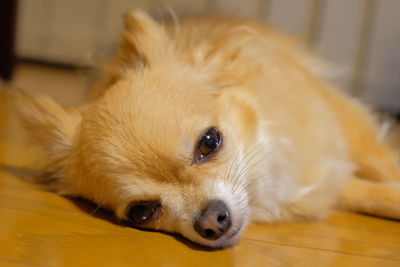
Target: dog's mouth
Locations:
point(216, 226)
point(227, 240)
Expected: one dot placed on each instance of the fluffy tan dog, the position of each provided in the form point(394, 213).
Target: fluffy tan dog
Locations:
point(202, 127)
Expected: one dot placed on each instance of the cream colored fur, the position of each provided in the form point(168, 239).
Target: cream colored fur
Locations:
point(294, 148)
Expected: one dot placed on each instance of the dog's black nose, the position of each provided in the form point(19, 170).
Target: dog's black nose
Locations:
point(214, 221)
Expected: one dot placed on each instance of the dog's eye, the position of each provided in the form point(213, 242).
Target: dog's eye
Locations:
point(209, 143)
point(142, 212)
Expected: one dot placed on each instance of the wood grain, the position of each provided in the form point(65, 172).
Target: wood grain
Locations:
point(39, 228)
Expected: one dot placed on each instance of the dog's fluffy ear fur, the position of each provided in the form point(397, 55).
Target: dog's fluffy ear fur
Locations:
point(51, 126)
point(144, 40)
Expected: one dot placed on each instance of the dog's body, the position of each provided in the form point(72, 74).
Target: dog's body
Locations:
point(286, 146)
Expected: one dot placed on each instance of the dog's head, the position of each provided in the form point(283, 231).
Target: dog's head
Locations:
point(165, 146)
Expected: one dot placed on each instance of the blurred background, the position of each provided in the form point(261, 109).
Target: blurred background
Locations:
point(360, 37)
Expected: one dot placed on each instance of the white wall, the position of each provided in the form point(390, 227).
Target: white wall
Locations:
point(361, 37)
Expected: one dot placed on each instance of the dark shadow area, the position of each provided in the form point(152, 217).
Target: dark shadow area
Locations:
point(378, 217)
point(179, 238)
point(93, 210)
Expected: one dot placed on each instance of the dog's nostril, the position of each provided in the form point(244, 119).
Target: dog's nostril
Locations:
point(214, 221)
point(209, 234)
point(222, 218)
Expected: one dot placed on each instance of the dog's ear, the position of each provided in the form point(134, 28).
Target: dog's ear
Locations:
point(144, 40)
point(51, 126)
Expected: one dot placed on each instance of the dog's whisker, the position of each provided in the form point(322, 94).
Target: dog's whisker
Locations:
point(252, 168)
point(245, 162)
point(238, 166)
point(236, 157)
point(248, 184)
point(247, 170)
point(101, 204)
point(245, 188)
point(251, 183)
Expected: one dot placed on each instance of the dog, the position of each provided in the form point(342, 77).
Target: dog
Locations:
point(203, 126)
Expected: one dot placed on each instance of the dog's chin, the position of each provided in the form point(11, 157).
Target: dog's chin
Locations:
point(229, 239)
point(221, 243)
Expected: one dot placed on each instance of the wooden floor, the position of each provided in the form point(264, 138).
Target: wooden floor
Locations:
point(39, 228)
